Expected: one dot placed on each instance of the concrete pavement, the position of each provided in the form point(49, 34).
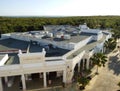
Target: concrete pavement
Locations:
point(108, 77)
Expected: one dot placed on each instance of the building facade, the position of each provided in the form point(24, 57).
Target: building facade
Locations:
point(82, 43)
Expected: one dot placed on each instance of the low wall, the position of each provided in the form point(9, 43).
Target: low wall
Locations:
point(18, 69)
point(27, 58)
point(78, 46)
point(83, 42)
point(91, 31)
point(53, 58)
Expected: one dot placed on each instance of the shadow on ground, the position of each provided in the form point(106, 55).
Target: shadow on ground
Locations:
point(114, 64)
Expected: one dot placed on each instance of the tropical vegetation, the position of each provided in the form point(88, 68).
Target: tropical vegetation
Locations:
point(110, 44)
point(99, 59)
point(82, 82)
point(23, 24)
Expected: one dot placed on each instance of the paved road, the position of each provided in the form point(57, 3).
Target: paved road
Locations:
point(108, 77)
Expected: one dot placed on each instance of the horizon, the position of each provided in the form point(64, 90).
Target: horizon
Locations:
point(60, 16)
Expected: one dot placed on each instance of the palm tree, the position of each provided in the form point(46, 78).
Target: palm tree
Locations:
point(82, 82)
point(116, 33)
point(110, 44)
point(99, 59)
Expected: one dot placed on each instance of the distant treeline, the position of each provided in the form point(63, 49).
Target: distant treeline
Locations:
point(22, 24)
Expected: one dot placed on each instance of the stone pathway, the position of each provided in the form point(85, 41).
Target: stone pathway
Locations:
point(108, 77)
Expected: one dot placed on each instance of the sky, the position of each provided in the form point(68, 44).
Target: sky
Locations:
point(59, 7)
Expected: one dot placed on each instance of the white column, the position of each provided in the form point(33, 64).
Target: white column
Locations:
point(87, 64)
point(44, 79)
point(6, 80)
point(1, 87)
point(23, 82)
point(40, 75)
point(83, 64)
point(64, 76)
point(79, 67)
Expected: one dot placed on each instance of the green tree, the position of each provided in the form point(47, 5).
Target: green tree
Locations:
point(116, 33)
point(110, 44)
point(99, 59)
point(12, 24)
point(83, 81)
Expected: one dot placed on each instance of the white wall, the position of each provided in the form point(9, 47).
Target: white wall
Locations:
point(18, 69)
point(20, 37)
point(100, 35)
point(91, 53)
point(83, 42)
point(34, 63)
point(76, 59)
point(97, 37)
point(95, 31)
point(70, 65)
point(53, 58)
point(78, 46)
point(5, 36)
point(108, 36)
point(84, 27)
point(27, 58)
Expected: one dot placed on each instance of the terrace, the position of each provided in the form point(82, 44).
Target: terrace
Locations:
point(74, 39)
point(87, 47)
point(12, 46)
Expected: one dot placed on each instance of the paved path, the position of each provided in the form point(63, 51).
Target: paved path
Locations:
point(108, 77)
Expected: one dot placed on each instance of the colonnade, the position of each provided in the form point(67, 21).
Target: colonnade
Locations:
point(23, 80)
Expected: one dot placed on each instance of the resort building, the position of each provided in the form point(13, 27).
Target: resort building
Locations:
point(54, 52)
